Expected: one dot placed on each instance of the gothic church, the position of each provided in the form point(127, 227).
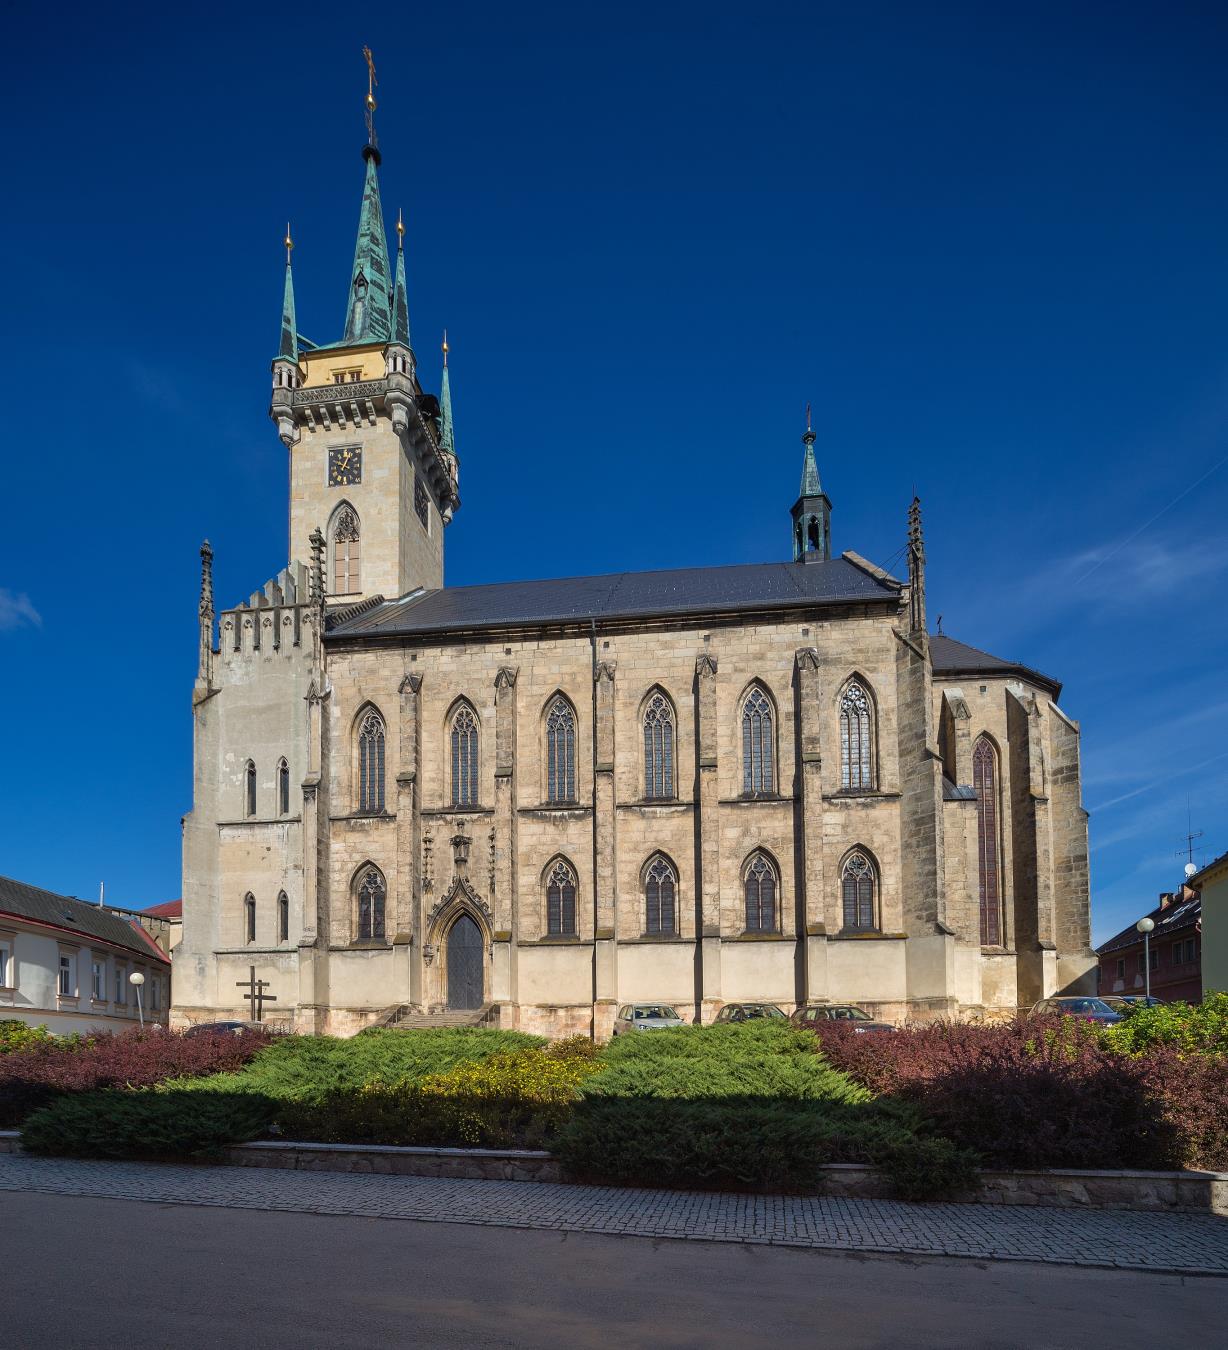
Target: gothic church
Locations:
point(530, 802)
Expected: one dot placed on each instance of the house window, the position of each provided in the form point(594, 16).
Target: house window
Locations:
point(346, 543)
point(1191, 950)
point(1178, 953)
point(1121, 968)
point(371, 899)
point(98, 981)
point(68, 978)
point(659, 748)
point(856, 770)
point(857, 885)
point(465, 758)
point(249, 790)
point(560, 752)
point(1155, 958)
point(561, 900)
point(422, 503)
point(155, 992)
point(758, 744)
point(121, 986)
point(283, 788)
point(371, 762)
point(249, 918)
point(7, 979)
point(660, 898)
point(760, 890)
point(985, 781)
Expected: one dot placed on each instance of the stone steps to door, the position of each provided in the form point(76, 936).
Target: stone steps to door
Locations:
point(406, 1017)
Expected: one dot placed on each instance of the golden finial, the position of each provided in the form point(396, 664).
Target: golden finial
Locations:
point(400, 230)
point(289, 243)
point(808, 427)
point(445, 349)
point(371, 80)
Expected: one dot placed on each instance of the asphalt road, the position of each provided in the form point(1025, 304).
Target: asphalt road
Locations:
point(85, 1272)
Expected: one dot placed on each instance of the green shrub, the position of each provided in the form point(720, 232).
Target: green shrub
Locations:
point(18, 1035)
point(149, 1123)
point(1199, 1028)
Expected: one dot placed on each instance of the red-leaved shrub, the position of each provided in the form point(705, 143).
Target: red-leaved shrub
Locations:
point(32, 1077)
point(1047, 1092)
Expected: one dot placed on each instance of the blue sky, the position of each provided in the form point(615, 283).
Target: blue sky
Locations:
point(991, 247)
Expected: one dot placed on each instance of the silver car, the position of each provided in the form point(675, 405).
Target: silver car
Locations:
point(646, 1017)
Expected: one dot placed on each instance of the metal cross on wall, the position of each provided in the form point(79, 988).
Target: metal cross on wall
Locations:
point(256, 995)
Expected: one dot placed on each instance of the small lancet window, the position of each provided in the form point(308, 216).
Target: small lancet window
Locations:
point(371, 762)
point(560, 752)
point(249, 790)
point(283, 918)
point(283, 788)
point(760, 892)
point(371, 899)
point(249, 918)
point(758, 744)
point(859, 887)
point(659, 748)
point(346, 544)
point(561, 900)
point(660, 898)
point(465, 758)
point(856, 770)
point(985, 781)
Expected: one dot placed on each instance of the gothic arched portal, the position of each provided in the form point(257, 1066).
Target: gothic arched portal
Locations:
point(465, 963)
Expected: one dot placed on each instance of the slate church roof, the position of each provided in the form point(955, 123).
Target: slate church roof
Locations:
point(74, 916)
point(950, 659)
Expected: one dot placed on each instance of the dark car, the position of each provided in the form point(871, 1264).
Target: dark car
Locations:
point(813, 1015)
point(1122, 1003)
point(223, 1028)
point(1089, 1009)
point(748, 1012)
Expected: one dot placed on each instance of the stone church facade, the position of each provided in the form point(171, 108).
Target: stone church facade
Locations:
point(540, 800)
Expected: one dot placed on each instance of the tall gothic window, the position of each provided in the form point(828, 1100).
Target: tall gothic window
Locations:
point(346, 546)
point(283, 918)
point(858, 886)
point(856, 773)
point(659, 747)
point(421, 503)
point(371, 762)
point(758, 743)
point(985, 780)
point(660, 897)
point(465, 758)
point(561, 900)
point(759, 885)
point(371, 897)
point(249, 917)
point(249, 789)
point(560, 752)
point(283, 788)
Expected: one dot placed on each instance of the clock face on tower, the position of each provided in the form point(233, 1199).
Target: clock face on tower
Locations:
point(344, 466)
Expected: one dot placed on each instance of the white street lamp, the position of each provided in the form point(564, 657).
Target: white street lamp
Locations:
point(1145, 926)
point(136, 979)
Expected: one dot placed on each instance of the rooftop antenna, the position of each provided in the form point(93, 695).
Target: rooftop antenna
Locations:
point(102, 890)
point(1190, 835)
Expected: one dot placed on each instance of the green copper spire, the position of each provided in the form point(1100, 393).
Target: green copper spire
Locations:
point(447, 437)
point(400, 300)
point(288, 350)
point(810, 470)
point(369, 317)
point(811, 513)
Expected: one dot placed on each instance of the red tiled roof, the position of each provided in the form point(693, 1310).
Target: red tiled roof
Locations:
point(151, 944)
point(171, 909)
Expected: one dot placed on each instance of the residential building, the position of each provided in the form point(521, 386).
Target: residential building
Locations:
point(1213, 879)
point(1174, 946)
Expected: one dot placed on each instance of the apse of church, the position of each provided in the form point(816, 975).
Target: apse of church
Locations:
point(533, 802)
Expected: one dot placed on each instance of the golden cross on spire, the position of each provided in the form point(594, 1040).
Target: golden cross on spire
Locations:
point(445, 348)
point(400, 230)
point(371, 83)
point(289, 243)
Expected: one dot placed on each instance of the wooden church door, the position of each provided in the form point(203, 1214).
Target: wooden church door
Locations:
point(465, 964)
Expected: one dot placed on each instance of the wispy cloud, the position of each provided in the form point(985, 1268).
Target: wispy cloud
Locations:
point(17, 611)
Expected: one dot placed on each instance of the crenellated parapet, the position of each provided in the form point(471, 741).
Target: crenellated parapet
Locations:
point(277, 620)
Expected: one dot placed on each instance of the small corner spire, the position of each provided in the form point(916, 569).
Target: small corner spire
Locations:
point(400, 291)
point(445, 349)
point(811, 513)
point(288, 348)
point(916, 570)
point(447, 434)
point(204, 666)
point(400, 231)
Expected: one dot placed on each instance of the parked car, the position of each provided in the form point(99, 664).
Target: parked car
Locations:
point(1089, 1009)
point(646, 1017)
point(223, 1028)
point(813, 1015)
point(747, 1012)
point(1124, 1002)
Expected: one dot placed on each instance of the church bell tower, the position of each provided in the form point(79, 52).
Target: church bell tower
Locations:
point(812, 511)
point(373, 460)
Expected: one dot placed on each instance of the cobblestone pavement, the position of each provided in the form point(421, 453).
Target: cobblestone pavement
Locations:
point(1175, 1243)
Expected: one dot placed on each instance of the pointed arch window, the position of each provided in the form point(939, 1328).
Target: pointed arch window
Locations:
point(249, 917)
point(283, 918)
point(659, 748)
point(985, 781)
point(758, 744)
point(371, 762)
point(346, 545)
point(372, 895)
point(856, 740)
point(761, 890)
point(464, 758)
point(560, 752)
point(249, 790)
point(859, 892)
point(561, 900)
point(283, 788)
point(660, 897)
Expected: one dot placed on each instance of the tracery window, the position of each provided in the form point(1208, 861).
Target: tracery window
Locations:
point(283, 918)
point(758, 743)
point(346, 545)
point(659, 747)
point(660, 897)
point(371, 762)
point(465, 758)
point(760, 889)
point(249, 790)
point(856, 769)
point(283, 788)
point(560, 752)
point(561, 900)
point(859, 886)
point(421, 503)
point(371, 898)
point(985, 781)
point(249, 917)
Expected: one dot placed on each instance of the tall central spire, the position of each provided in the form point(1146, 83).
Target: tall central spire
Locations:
point(369, 312)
